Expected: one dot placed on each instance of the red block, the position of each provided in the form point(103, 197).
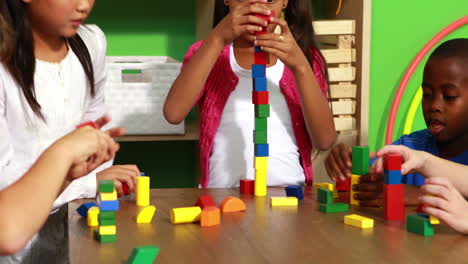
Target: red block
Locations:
point(420, 208)
point(205, 201)
point(394, 202)
point(343, 185)
point(260, 97)
point(124, 189)
point(247, 186)
point(87, 123)
point(266, 18)
point(261, 58)
point(393, 162)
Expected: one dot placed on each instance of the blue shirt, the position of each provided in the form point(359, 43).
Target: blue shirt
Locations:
point(424, 141)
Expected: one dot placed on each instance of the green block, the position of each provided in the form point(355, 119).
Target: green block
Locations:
point(360, 160)
point(262, 110)
point(324, 196)
point(107, 215)
point(145, 254)
point(261, 123)
point(260, 137)
point(110, 221)
point(104, 238)
point(334, 208)
point(106, 186)
point(419, 225)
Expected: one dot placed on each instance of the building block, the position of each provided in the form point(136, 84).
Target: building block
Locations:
point(260, 136)
point(260, 185)
point(261, 58)
point(109, 196)
point(419, 225)
point(143, 191)
point(334, 208)
point(146, 214)
point(354, 181)
point(258, 71)
point(419, 180)
point(106, 186)
point(87, 123)
point(258, 49)
point(232, 204)
point(283, 201)
point(392, 162)
point(185, 215)
point(261, 123)
point(261, 150)
point(360, 159)
point(205, 201)
point(325, 185)
point(294, 191)
point(83, 209)
point(324, 196)
point(420, 208)
point(260, 84)
point(393, 177)
point(359, 221)
point(108, 205)
point(247, 186)
point(210, 216)
point(394, 204)
point(107, 219)
point(343, 185)
point(262, 110)
point(108, 230)
point(260, 97)
point(92, 216)
point(143, 255)
point(434, 220)
point(104, 238)
point(261, 163)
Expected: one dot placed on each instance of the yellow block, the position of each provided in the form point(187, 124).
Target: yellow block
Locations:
point(185, 215)
point(109, 196)
point(325, 185)
point(143, 190)
point(434, 220)
point(260, 182)
point(354, 180)
point(359, 221)
point(108, 230)
point(261, 163)
point(283, 201)
point(93, 214)
point(146, 214)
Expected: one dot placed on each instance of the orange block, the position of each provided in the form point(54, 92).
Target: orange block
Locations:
point(232, 204)
point(210, 216)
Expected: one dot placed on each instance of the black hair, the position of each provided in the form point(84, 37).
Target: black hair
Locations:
point(457, 48)
point(22, 62)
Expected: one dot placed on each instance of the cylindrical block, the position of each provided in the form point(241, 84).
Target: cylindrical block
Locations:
point(261, 182)
point(143, 191)
point(185, 215)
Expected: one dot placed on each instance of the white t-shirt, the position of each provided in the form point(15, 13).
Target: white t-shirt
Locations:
point(233, 151)
point(62, 90)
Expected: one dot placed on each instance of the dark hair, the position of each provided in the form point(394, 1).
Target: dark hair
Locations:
point(22, 62)
point(298, 14)
point(6, 39)
point(452, 48)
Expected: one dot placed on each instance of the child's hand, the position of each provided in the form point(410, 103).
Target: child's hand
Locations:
point(370, 189)
point(413, 160)
point(446, 203)
point(241, 20)
point(120, 174)
point(283, 46)
point(338, 163)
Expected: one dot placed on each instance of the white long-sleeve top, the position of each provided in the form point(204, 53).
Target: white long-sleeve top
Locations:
point(62, 89)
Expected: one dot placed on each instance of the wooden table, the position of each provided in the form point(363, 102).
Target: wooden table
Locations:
point(261, 235)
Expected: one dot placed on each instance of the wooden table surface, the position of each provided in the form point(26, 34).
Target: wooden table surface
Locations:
point(261, 235)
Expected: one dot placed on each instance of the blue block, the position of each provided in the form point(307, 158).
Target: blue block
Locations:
point(294, 191)
point(142, 174)
point(258, 49)
point(423, 215)
point(409, 179)
point(83, 209)
point(419, 180)
point(392, 177)
point(260, 84)
point(261, 150)
point(258, 71)
point(109, 205)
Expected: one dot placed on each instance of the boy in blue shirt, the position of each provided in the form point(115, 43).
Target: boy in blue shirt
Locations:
point(445, 109)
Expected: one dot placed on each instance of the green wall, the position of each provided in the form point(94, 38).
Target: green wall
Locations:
point(400, 28)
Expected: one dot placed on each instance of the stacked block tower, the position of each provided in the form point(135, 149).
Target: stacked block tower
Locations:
point(360, 160)
point(393, 189)
point(260, 99)
point(108, 205)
